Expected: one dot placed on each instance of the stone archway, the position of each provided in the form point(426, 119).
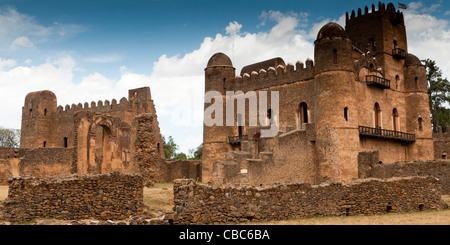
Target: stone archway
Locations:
point(96, 144)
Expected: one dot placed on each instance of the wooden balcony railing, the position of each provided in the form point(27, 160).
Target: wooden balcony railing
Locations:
point(399, 53)
point(235, 140)
point(377, 81)
point(386, 134)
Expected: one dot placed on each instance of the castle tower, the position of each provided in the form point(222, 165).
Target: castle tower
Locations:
point(219, 75)
point(418, 110)
point(37, 119)
point(383, 32)
point(336, 123)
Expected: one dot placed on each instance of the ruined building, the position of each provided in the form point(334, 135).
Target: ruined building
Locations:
point(364, 92)
point(95, 138)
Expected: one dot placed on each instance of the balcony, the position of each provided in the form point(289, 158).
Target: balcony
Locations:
point(399, 53)
point(378, 82)
point(386, 134)
point(236, 140)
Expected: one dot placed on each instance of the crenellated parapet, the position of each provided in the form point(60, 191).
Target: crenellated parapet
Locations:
point(442, 133)
point(99, 106)
point(388, 11)
point(274, 76)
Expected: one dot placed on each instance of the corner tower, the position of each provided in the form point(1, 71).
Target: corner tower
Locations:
point(337, 137)
point(219, 76)
point(37, 114)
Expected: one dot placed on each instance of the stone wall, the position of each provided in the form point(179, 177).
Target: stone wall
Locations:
point(38, 162)
point(441, 143)
point(436, 168)
point(170, 170)
point(109, 196)
point(201, 204)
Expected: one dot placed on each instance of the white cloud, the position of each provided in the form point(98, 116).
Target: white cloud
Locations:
point(107, 58)
point(233, 28)
point(22, 41)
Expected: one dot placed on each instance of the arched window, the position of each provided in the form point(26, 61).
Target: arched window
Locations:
point(45, 112)
point(397, 80)
point(45, 144)
point(302, 114)
point(395, 44)
point(377, 113)
point(395, 121)
point(65, 142)
point(224, 84)
point(372, 43)
point(334, 56)
point(416, 83)
point(269, 114)
point(420, 122)
point(157, 148)
point(346, 114)
point(240, 124)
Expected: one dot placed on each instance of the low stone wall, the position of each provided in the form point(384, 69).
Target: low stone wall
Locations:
point(108, 196)
point(170, 170)
point(436, 168)
point(201, 204)
point(37, 162)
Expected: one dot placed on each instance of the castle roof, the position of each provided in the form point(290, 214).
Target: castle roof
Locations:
point(275, 62)
point(331, 30)
point(412, 60)
point(219, 59)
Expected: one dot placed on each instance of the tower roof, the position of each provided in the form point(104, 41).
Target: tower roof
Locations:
point(219, 59)
point(412, 60)
point(331, 30)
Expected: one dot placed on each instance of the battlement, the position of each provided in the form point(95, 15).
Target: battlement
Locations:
point(274, 76)
point(137, 98)
point(388, 12)
point(442, 133)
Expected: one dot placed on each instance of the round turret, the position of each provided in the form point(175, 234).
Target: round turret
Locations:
point(331, 30)
point(412, 60)
point(219, 59)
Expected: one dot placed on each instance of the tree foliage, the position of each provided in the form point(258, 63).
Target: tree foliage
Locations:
point(438, 94)
point(9, 137)
point(171, 150)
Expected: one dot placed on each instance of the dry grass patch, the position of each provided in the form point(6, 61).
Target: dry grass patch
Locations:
point(159, 197)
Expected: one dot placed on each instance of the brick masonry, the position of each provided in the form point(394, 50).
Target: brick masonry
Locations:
point(201, 204)
point(108, 196)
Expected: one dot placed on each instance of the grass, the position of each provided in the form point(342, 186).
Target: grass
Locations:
point(160, 198)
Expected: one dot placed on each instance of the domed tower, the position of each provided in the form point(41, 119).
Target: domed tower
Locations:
point(219, 76)
point(337, 136)
point(418, 119)
point(37, 120)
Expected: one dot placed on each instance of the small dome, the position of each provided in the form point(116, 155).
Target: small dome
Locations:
point(412, 60)
point(331, 30)
point(219, 59)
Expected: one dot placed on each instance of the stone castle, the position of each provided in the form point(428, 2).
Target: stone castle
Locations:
point(364, 92)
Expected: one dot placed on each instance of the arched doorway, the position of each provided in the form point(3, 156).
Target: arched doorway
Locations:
point(101, 147)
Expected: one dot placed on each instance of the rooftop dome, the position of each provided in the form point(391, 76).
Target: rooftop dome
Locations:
point(412, 60)
point(331, 30)
point(219, 59)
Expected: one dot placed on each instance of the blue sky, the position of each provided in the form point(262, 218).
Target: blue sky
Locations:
point(96, 50)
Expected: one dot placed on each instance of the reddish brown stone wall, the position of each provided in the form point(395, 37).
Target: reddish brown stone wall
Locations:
point(170, 170)
point(108, 196)
point(201, 204)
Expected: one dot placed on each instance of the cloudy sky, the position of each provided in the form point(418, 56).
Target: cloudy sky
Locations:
point(94, 50)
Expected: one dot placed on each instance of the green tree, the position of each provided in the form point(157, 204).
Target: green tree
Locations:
point(9, 137)
point(196, 153)
point(438, 94)
point(169, 147)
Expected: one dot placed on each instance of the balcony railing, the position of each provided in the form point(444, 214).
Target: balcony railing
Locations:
point(236, 140)
point(386, 134)
point(377, 81)
point(399, 53)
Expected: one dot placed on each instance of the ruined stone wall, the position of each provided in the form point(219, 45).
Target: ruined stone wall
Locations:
point(441, 143)
point(38, 162)
point(437, 168)
point(108, 196)
point(200, 204)
point(170, 170)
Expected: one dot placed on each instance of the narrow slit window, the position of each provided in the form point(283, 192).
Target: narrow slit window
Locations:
point(346, 114)
point(420, 122)
point(334, 56)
